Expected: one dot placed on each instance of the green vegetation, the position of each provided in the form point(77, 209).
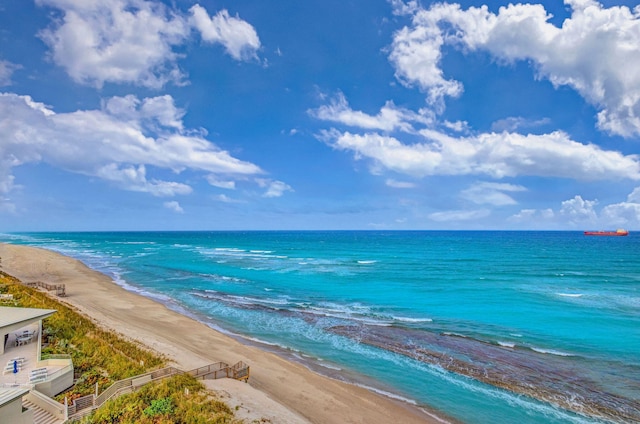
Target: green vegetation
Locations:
point(159, 407)
point(103, 357)
point(179, 399)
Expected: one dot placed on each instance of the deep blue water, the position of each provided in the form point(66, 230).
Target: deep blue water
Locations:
point(426, 316)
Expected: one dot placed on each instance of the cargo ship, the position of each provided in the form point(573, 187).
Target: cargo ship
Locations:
point(618, 232)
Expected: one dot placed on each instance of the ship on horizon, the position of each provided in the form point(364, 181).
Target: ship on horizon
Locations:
point(618, 232)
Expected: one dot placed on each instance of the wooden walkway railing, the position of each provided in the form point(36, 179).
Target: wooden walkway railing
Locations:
point(58, 288)
point(239, 371)
point(85, 405)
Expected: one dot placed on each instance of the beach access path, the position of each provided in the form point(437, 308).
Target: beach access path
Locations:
point(279, 390)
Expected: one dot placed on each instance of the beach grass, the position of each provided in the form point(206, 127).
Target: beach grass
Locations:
point(102, 357)
point(179, 399)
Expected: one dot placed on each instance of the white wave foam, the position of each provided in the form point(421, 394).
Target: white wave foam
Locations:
point(570, 294)
point(412, 320)
point(506, 344)
point(452, 334)
point(227, 249)
point(551, 351)
point(346, 316)
point(389, 394)
point(328, 366)
point(241, 300)
point(367, 262)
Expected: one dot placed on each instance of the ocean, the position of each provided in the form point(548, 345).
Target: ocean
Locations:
point(483, 326)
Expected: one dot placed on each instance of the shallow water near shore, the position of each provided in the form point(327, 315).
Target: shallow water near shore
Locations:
point(528, 327)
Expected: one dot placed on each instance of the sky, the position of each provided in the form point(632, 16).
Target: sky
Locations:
point(313, 115)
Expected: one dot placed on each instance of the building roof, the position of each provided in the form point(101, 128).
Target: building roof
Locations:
point(9, 394)
point(10, 316)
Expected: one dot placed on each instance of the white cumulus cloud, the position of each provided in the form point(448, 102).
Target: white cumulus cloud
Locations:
point(274, 188)
point(596, 51)
point(390, 117)
point(133, 41)
point(238, 37)
point(123, 143)
point(174, 206)
point(495, 155)
point(579, 210)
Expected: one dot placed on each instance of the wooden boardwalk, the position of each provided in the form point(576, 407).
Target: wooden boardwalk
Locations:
point(59, 289)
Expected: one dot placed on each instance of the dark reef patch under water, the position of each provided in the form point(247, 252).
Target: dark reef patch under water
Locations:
point(570, 382)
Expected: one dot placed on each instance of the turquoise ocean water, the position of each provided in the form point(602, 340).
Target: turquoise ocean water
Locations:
point(486, 327)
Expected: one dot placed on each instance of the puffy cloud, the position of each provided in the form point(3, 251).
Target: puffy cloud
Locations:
point(492, 154)
point(135, 179)
point(596, 51)
point(624, 213)
point(491, 193)
point(457, 126)
point(226, 199)
point(120, 143)
point(174, 206)
point(132, 41)
point(416, 56)
point(120, 41)
point(404, 8)
point(579, 210)
point(274, 188)
point(155, 112)
point(238, 37)
point(221, 183)
point(390, 117)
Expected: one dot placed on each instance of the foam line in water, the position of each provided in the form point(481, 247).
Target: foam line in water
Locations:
point(550, 351)
point(412, 320)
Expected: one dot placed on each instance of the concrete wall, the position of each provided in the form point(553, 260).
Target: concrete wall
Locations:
point(59, 381)
point(12, 413)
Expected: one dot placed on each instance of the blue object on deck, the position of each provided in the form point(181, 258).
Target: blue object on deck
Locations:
point(15, 367)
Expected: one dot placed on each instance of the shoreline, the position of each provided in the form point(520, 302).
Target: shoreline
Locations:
point(280, 389)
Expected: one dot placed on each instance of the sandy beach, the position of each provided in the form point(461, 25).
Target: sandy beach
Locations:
point(279, 390)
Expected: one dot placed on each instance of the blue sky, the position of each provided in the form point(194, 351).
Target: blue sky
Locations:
point(335, 114)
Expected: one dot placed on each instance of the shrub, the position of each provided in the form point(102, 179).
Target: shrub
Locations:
point(159, 407)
